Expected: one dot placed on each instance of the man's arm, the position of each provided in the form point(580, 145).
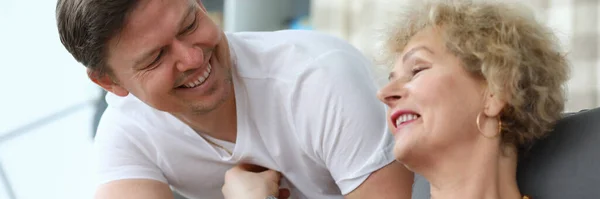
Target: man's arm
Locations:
point(124, 166)
point(391, 181)
point(134, 189)
point(336, 104)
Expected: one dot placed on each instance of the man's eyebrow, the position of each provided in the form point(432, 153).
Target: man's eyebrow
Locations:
point(191, 10)
point(144, 56)
point(414, 50)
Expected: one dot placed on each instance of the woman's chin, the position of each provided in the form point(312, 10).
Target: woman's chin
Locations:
point(402, 151)
point(408, 152)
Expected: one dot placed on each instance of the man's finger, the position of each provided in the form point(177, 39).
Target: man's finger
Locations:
point(251, 167)
point(271, 175)
point(239, 169)
point(284, 193)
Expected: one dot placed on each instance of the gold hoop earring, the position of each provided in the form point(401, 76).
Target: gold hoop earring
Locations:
point(499, 126)
point(483, 134)
point(477, 122)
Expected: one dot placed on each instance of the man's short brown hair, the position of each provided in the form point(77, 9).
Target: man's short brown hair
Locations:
point(86, 26)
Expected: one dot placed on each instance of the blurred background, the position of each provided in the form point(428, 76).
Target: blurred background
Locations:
point(49, 109)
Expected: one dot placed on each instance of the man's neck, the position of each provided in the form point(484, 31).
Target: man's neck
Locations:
point(220, 123)
point(482, 171)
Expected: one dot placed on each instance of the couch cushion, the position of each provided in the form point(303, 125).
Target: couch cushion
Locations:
point(566, 164)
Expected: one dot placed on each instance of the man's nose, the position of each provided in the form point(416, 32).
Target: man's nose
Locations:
point(188, 56)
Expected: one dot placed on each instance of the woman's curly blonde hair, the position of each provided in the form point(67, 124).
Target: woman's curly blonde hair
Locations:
point(517, 56)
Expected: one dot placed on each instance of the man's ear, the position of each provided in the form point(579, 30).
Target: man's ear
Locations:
point(107, 83)
point(493, 104)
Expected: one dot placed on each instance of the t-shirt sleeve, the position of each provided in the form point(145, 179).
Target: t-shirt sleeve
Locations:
point(119, 152)
point(336, 105)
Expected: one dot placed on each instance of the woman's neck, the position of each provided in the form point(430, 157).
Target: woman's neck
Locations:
point(481, 171)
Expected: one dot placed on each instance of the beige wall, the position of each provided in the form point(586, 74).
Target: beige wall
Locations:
point(575, 22)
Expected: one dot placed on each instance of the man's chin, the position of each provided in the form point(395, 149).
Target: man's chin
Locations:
point(210, 103)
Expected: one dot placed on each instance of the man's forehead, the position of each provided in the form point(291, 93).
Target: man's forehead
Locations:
point(145, 27)
point(159, 8)
point(147, 15)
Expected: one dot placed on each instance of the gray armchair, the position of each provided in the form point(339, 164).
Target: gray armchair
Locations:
point(566, 164)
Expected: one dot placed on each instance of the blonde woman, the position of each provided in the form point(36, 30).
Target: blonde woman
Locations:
point(471, 84)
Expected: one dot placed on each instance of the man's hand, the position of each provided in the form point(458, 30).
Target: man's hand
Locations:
point(252, 182)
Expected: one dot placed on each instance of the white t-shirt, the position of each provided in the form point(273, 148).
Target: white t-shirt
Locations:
point(306, 107)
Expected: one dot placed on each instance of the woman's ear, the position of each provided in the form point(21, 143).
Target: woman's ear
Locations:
point(493, 104)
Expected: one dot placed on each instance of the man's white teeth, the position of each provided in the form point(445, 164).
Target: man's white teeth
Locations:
point(200, 79)
point(405, 118)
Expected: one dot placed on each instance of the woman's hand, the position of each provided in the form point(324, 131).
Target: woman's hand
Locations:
point(252, 182)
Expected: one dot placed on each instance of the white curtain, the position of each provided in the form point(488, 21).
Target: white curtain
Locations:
point(576, 22)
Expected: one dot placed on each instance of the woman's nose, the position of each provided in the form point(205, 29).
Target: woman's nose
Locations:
point(390, 94)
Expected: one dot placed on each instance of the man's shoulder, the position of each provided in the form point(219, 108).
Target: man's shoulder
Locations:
point(286, 65)
point(288, 55)
point(291, 36)
point(129, 115)
point(128, 107)
point(305, 43)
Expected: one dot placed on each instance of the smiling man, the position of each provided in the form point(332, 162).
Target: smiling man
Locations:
point(187, 102)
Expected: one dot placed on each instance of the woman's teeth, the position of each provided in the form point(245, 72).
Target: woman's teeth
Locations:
point(406, 118)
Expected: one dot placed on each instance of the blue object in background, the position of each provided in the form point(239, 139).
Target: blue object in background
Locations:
point(301, 23)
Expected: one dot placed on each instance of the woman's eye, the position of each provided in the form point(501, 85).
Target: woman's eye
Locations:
point(418, 69)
